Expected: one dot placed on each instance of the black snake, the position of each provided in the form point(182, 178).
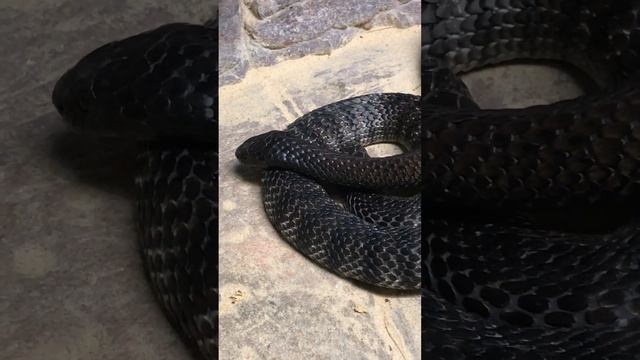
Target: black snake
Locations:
point(498, 280)
point(160, 88)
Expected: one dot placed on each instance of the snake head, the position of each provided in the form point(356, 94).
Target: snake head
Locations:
point(86, 95)
point(158, 85)
point(259, 150)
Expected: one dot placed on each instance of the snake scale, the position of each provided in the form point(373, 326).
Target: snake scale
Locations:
point(456, 214)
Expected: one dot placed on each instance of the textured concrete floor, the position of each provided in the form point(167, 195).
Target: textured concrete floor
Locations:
point(72, 280)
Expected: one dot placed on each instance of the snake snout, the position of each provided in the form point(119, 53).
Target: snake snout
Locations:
point(62, 95)
point(258, 149)
point(243, 153)
point(71, 98)
point(78, 94)
point(58, 96)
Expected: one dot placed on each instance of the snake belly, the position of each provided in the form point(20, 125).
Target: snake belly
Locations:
point(160, 89)
point(497, 283)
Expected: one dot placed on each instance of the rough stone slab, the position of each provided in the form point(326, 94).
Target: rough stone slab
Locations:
point(264, 8)
point(265, 32)
point(72, 280)
point(402, 16)
point(232, 55)
point(309, 19)
point(275, 303)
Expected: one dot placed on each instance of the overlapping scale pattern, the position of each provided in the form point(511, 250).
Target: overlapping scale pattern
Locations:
point(177, 205)
point(495, 288)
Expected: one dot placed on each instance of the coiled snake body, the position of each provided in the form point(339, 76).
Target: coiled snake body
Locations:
point(497, 282)
point(328, 144)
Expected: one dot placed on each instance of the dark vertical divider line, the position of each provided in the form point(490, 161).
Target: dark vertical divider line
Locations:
point(214, 23)
point(217, 229)
point(425, 249)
